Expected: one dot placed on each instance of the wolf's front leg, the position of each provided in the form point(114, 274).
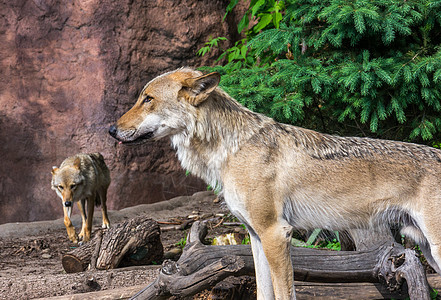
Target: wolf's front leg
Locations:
point(275, 244)
point(81, 207)
point(69, 227)
point(261, 266)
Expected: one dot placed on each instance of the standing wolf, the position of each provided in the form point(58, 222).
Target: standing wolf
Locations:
point(276, 177)
point(81, 178)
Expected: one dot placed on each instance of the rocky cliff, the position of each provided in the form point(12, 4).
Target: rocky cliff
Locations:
point(69, 69)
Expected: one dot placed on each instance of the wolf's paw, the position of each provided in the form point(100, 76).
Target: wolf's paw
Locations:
point(74, 239)
point(105, 226)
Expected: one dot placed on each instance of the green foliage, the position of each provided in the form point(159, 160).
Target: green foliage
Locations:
point(359, 67)
point(182, 242)
point(333, 245)
point(216, 189)
point(437, 145)
point(212, 43)
point(326, 243)
point(313, 236)
point(323, 244)
point(246, 240)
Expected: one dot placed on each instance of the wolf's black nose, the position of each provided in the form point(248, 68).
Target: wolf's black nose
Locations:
point(68, 203)
point(112, 130)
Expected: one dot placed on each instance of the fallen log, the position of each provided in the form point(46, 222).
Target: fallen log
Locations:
point(78, 259)
point(244, 287)
point(133, 242)
point(304, 291)
point(201, 266)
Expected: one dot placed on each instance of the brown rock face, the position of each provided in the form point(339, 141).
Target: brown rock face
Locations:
point(70, 69)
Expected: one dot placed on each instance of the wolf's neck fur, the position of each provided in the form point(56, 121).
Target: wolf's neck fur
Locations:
point(217, 129)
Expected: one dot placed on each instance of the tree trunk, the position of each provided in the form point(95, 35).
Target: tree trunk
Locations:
point(133, 242)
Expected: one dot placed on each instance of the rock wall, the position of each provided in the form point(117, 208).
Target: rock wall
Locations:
point(70, 69)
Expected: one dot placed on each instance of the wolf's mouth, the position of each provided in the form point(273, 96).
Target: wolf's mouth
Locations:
point(139, 140)
point(113, 131)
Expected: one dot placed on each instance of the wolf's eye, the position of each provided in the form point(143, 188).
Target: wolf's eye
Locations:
point(147, 99)
point(60, 187)
point(72, 186)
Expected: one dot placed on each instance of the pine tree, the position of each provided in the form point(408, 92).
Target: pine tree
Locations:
point(351, 67)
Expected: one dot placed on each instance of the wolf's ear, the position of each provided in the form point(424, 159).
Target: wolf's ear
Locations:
point(196, 90)
point(77, 163)
point(54, 170)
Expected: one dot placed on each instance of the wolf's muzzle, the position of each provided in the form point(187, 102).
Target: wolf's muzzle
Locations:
point(113, 131)
point(68, 203)
point(128, 138)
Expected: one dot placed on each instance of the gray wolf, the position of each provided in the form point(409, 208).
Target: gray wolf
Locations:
point(82, 178)
point(276, 177)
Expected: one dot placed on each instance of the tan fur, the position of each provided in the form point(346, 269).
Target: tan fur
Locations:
point(276, 177)
point(82, 178)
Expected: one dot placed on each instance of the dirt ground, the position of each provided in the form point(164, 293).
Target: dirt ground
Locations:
point(30, 253)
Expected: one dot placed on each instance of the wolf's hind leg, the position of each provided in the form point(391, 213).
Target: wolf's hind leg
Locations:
point(417, 235)
point(427, 252)
point(89, 218)
point(432, 252)
point(427, 234)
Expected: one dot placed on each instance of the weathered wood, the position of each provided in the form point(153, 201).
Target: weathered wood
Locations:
point(133, 242)
point(177, 283)
point(78, 259)
point(134, 239)
point(403, 264)
point(197, 261)
point(345, 291)
point(242, 287)
point(354, 290)
point(397, 264)
point(304, 291)
point(365, 239)
point(96, 250)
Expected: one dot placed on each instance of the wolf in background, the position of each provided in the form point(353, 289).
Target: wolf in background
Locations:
point(276, 177)
point(82, 178)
